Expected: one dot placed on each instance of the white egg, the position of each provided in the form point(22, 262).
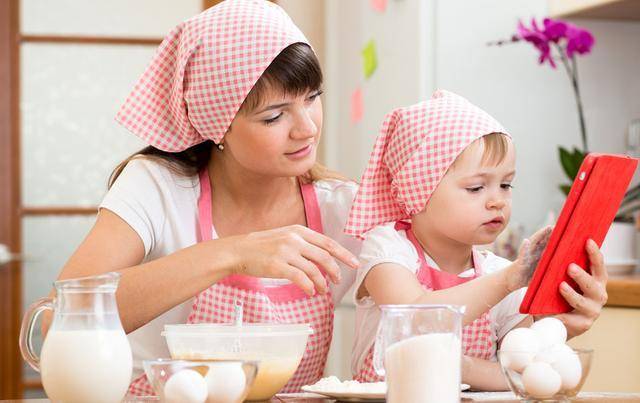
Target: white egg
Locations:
point(550, 331)
point(226, 382)
point(568, 365)
point(518, 348)
point(565, 361)
point(540, 380)
point(185, 386)
point(552, 353)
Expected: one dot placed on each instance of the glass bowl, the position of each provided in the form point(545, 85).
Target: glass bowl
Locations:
point(555, 375)
point(184, 381)
point(278, 348)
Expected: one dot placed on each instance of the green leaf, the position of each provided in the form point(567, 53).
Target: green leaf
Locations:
point(632, 195)
point(565, 189)
point(578, 157)
point(567, 160)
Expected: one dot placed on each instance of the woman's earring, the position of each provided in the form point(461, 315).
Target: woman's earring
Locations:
point(220, 146)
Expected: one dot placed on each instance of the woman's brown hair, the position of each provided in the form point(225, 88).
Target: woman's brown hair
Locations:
point(294, 71)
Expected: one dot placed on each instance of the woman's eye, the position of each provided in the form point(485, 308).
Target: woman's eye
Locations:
point(273, 119)
point(315, 95)
point(474, 189)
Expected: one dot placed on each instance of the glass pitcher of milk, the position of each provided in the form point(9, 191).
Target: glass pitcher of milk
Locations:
point(418, 351)
point(85, 356)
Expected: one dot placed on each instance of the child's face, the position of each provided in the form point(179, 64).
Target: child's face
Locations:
point(472, 203)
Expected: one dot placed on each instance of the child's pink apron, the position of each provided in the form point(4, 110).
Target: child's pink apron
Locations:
point(476, 336)
point(264, 304)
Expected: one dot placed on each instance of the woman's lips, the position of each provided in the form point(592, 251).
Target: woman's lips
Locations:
point(301, 153)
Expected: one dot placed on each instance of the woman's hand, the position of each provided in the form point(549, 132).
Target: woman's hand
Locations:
point(528, 257)
point(296, 253)
point(586, 307)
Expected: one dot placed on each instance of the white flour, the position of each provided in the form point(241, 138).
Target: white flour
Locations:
point(424, 369)
point(334, 385)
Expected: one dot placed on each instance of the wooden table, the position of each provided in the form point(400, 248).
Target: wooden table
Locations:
point(496, 397)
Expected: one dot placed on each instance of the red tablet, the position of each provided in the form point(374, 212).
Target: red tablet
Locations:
point(589, 210)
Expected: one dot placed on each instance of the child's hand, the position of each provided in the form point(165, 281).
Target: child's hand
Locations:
point(587, 304)
point(528, 257)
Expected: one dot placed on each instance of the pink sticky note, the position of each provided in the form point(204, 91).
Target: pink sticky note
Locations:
point(357, 106)
point(378, 5)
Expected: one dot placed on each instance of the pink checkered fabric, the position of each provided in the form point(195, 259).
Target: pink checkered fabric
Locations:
point(140, 387)
point(476, 342)
point(203, 71)
point(416, 146)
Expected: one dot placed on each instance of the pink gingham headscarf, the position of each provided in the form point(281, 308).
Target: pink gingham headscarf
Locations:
point(203, 71)
point(415, 148)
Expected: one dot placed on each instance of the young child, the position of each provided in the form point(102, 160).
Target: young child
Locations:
point(438, 183)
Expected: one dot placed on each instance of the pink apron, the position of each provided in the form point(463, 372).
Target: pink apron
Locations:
point(264, 304)
point(476, 336)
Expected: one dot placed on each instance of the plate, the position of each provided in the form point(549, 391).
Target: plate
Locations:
point(344, 396)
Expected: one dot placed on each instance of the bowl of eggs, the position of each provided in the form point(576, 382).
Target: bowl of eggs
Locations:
point(539, 365)
point(278, 349)
point(183, 381)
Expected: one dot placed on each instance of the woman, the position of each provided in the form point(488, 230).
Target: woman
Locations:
point(229, 186)
point(228, 200)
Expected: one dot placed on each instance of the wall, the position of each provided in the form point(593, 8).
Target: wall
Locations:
point(401, 77)
point(536, 102)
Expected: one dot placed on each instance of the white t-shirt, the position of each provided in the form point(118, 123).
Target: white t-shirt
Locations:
point(162, 208)
point(383, 244)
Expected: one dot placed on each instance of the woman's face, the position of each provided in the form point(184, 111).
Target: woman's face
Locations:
point(279, 137)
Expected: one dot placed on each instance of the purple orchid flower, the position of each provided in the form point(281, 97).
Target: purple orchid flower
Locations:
point(579, 41)
point(554, 30)
point(537, 38)
point(566, 40)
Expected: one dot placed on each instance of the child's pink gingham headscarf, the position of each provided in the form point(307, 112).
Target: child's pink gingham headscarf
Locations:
point(414, 150)
point(204, 70)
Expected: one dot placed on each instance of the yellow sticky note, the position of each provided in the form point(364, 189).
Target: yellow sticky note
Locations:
point(369, 59)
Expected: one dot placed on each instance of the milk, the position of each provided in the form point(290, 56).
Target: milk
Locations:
point(86, 365)
point(424, 369)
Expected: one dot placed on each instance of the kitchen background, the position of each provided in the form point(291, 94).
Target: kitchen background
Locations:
point(66, 65)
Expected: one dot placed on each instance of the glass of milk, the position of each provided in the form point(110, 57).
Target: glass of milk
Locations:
point(85, 356)
point(418, 351)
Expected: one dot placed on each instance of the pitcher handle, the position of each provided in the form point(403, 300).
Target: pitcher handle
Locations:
point(379, 348)
point(26, 331)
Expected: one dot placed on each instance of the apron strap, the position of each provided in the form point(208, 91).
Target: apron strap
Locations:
point(204, 207)
point(430, 276)
point(311, 207)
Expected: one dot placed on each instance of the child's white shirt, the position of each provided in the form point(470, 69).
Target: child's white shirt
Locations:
point(384, 244)
point(162, 208)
